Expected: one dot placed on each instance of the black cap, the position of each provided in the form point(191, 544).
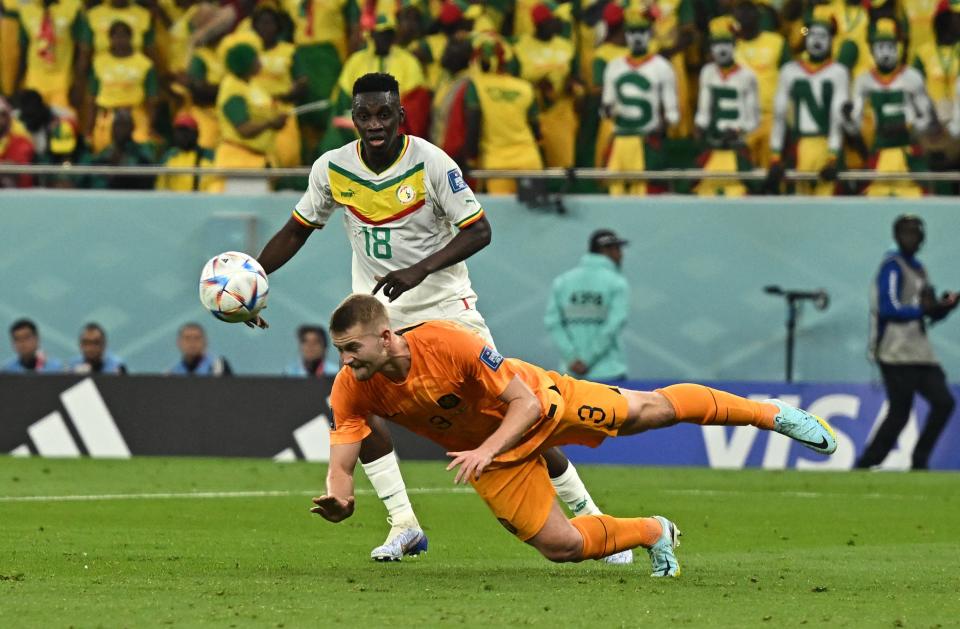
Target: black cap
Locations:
point(605, 238)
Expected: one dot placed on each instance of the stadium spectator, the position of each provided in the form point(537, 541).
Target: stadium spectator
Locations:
point(312, 341)
point(205, 72)
point(94, 357)
point(596, 133)
point(55, 57)
point(139, 21)
point(640, 97)
point(39, 119)
point(547, 59)
point(903, 303)
point(906, 110)
point(248, 116)
point(811, 90)
point(429, 49)
point(121, 79)
point(194, 358)
point(123, 151)
point(726, 112)
point(938, 60)
point(854, 24)
point(26, 344)
point(764, 52)
point(587, 310)
point(65, 146)
point(502, 125)
point(15, 148)
point(282, 80)
point(186, 152)
point(448, 124)
point(673, 33)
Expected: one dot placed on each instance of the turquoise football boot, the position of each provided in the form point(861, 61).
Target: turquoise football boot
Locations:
point(804, 427)
point(662, 557)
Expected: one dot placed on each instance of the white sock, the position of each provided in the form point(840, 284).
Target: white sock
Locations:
point(384, 475)
point(574, 494)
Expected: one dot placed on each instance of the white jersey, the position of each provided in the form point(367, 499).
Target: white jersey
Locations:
point(728, 100)
point(396, 218)
point(810, 98)
point(901, 97)
point(635, 91)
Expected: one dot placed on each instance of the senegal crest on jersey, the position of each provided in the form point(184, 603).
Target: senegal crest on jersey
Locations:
point(378, 203)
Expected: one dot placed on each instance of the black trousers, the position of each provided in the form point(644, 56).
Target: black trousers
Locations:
point(901, 383)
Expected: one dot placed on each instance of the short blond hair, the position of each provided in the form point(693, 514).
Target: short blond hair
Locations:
point(360, 309)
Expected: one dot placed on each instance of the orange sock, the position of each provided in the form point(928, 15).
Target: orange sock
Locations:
point(604, 535)
point(703, 405)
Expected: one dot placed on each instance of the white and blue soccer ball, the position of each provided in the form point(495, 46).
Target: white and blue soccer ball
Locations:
point(233, 287)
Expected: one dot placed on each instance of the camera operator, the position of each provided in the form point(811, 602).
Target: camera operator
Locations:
point(902, 302)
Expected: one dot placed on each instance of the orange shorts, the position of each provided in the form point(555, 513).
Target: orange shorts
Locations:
point(520, 493)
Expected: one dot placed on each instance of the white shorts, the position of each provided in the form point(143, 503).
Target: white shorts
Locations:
point(462, 311)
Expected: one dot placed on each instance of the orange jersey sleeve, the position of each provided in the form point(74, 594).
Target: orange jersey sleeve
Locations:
point(350, 412)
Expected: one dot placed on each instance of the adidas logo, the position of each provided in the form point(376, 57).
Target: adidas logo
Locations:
point(313, 441)
point(92, 421)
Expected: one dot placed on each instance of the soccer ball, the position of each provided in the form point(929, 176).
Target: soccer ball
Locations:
point(233, 286)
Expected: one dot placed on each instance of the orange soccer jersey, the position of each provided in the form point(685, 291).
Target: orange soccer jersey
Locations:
point(451, 395)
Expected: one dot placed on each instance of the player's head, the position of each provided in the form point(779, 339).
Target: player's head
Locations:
point(360, 330)
point(93, 342)
point(606, 242)
point(312, 340)
point(376, 110)
point(25, 338)
point(638, 29)
point(191, 341)
point(121, 38)
point(818, 36)
point(909, 232)
point(884, 45)
point(721, 42)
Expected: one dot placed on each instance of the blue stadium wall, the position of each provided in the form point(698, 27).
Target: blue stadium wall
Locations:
point(697, 268)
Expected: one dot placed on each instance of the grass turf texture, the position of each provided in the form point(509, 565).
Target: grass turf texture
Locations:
point(759, 549)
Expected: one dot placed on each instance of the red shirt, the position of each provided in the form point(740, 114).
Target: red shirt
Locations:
point(16, 149)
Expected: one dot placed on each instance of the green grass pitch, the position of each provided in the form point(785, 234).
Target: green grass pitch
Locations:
point(760, 549)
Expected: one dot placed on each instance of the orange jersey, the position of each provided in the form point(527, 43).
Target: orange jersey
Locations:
point(450, 395)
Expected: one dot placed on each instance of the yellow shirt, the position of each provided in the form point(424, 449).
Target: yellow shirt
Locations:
point(853, 24)
point(122, 81)
point(102, 16)
point(764, 54)
point(185, 159)
point(506, 140)
point(398, 62)
point(50, 67)
point(277, 66)
point(545, 60)
point(941, 66)
point(318, 22)
point(260, 108)
point(919, 14)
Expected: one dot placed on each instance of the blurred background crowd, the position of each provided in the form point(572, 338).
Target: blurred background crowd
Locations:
point(723, 85)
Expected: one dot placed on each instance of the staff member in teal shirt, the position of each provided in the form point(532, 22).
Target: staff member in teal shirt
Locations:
point(588, 309)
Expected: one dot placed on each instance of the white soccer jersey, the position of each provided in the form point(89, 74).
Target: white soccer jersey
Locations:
point(395, 218)
point(728, 99)
point(635, 91)
point(902, 96)
point(810, 98)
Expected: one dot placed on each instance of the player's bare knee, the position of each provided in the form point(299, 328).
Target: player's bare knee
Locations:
point(563, 552)
point(647, 410)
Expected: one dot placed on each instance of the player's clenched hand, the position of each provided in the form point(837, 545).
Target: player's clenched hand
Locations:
point(258, 322)
point(332, 508)
point(471, 462)
point(396, 283)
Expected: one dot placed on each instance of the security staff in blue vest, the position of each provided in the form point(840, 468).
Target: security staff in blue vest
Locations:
point(587, 310)
point(902, 304)
point(30, 358)
point(94, 357)
point(194, 360)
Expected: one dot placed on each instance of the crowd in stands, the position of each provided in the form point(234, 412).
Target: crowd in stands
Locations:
point(196, 358)
point(725, 85)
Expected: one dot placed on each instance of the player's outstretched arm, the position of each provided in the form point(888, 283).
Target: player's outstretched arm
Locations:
point(523, 411)
point(470, 240)
point(337, 504)
point(284, 244)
